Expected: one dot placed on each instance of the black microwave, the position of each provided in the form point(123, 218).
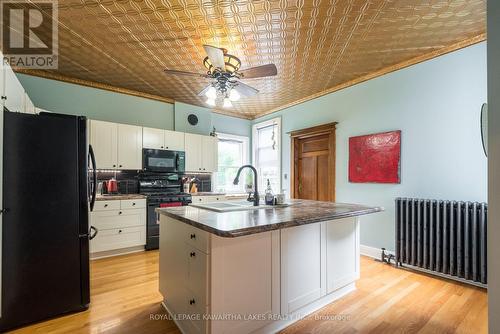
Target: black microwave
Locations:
point(163, 161)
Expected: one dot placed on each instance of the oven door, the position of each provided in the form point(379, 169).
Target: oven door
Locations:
point(164, 161)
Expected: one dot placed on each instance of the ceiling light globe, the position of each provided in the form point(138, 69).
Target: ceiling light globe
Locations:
point(211, 93)
point(211, 102)
point(234, 95)
point(227, 103)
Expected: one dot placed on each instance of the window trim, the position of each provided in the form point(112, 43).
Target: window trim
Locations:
point(246, 154)
point(255, 128)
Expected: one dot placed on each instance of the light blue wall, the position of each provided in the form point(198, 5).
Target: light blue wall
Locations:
point(104, 105)
point(207, 120)
point(97, 104)
point(494, 166)
point(436, 104)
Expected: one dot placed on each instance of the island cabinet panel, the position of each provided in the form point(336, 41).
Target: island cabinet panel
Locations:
point(342, 253)
point(302, 279)
point(244, 282)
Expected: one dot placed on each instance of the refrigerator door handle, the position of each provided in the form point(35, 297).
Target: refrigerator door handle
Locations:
point(94, 178)
point(93, 235)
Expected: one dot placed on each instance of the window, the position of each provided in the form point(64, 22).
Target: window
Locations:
point(233, 153)
point(267, 153)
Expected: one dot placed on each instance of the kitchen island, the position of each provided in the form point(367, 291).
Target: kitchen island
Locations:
point(256, 270)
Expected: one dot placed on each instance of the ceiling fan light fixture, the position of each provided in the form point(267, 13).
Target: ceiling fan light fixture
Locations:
point(211, 102)
point(211, 93)
point(234, 95)
point(227, 103)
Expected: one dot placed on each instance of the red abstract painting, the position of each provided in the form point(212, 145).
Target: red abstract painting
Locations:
point(375, 158)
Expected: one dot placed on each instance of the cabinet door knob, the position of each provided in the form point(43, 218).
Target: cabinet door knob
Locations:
point(161, 146)
point(133, 204)
point(192, 302)
point(105, 205)
point(193, 236)
point(114, 165)
point(119, 231)
point(192, 254)
point(120, 166)
point(120, 213)
point(167, 147)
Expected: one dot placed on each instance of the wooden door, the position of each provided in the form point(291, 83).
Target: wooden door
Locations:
point(313, 170)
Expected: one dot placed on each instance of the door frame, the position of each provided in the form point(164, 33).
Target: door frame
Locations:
point(295, 137)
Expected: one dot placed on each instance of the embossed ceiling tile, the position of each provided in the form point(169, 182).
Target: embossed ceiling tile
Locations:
point(314, 44)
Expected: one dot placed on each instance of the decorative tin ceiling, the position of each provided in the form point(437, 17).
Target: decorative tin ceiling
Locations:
point(315, 44)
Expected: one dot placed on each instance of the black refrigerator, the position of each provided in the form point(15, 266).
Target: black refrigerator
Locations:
point(48, 190)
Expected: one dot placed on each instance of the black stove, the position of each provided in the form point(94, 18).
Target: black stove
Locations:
point(161, 190)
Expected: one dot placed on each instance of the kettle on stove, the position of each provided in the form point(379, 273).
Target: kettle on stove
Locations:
point(111, 186)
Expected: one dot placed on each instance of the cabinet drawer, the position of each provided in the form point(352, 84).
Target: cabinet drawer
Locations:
point(197, 281)
point(107, 205)
point(197, 238)
point(106, 220)
point(133, 204)
point(118, 238)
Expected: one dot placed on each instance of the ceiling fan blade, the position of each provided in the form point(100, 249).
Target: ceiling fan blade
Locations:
point(204, 90)
point(191, 74)
point(245, 90)
point(216, 56)
point(268, 70)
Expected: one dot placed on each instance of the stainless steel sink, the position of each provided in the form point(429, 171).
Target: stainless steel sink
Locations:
point(227, 206)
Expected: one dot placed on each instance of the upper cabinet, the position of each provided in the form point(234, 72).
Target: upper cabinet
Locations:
point(13, 91)
point(163, 139)
point(129, 146)
point(201, 153)
point(29, 107)
point(116, 145)
point(104, 141)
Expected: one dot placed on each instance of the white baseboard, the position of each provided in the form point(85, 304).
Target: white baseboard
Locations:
point(369, 251)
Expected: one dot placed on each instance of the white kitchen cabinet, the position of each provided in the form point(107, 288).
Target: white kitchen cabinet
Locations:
point(174, 140)
point(29, 107)
point(201, 153)
point(121, 225)
point(301, 266)
point(14, 91)
point(208, 198)
point(116, 145)
point(342, 253)
point(153, 138)
point(193, 152)
point(163, 139)
point(104, 141)
point(209, 154)
point(129, 147)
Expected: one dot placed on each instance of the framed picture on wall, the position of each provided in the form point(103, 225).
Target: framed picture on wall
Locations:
point(375, 158)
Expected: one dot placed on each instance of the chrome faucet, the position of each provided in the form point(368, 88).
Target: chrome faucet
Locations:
point(256, 198)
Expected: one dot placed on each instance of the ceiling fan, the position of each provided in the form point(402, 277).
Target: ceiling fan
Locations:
point(224, 70)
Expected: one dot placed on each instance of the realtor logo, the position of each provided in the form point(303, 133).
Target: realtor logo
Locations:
point(29, 34)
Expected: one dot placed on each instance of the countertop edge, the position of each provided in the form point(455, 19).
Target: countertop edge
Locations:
point(270, 227)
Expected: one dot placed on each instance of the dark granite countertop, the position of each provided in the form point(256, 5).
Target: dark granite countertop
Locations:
point(239, 223)
point(117, 197)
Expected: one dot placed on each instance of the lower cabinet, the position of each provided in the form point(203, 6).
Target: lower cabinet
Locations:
point(301, 282)
point(120, 224)
point(221, 285)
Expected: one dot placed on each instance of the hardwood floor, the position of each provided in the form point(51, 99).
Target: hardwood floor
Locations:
point(125, 298)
